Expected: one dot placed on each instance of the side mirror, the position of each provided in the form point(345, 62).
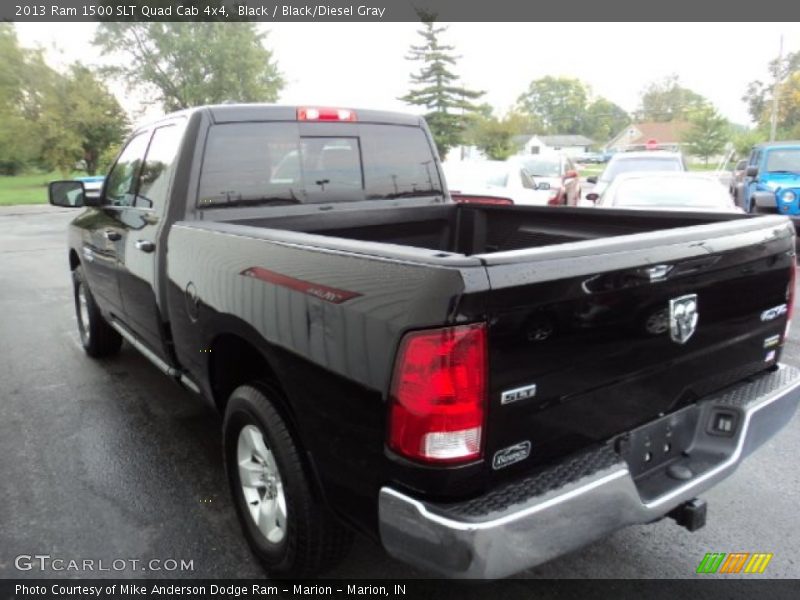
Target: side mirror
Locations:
point(67, 193)
point(751, 171)
point(592, 197)
point(543, 186)
point(591, 180)
point(570, 174)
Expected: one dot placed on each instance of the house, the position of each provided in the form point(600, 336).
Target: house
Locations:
point(571, 145)
point(636, 136)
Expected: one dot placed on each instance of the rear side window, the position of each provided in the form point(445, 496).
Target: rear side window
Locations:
point(285, 163)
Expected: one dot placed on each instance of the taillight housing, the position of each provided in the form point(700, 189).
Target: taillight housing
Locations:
point(790, 296)
point(438, 395)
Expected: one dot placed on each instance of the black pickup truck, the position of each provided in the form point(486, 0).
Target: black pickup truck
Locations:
point(480, 388)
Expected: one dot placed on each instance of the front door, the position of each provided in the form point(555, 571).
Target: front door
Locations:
point(103, 236)
point(142, 223)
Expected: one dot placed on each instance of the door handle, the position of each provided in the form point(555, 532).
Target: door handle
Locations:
point(112, 236)
point(145, 246)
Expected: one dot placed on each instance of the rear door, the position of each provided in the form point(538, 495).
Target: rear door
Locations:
point(581, 350)
point(140, 223)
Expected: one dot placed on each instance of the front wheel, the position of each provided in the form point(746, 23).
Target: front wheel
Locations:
point(98, 338)
point(286, 525)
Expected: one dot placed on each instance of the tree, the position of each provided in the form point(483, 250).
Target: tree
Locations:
point(744, 141)
point(758, 95)
point(667, 100)
point(23, 73)
point(603, 120)
point(562, 105)
point(82, 120)
point(495, 137)
point(188, 64)
point(708, 133)
point(558, 102)
point(437, 88)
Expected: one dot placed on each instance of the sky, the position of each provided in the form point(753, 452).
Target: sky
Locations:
point(363, 64)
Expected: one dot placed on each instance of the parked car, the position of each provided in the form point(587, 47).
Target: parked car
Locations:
point(469, 385)
point(737, 176)
point(663, 190)
point(625, 162)
point(593, 158)
point(556, 169)
point(772, 179)
point(486, 178)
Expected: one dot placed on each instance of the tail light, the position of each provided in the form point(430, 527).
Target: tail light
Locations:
point(438, 395)
point(790, 296)
point(325, 114)
point(496, 200)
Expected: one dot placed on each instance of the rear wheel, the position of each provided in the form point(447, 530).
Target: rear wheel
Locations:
point(98, 338)
point(286, 525)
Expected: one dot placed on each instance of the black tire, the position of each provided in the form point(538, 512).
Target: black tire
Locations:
point(98, 338)
point(313, 540)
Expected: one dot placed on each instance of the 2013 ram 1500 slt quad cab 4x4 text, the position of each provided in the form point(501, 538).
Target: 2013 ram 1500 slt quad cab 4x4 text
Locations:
point(480, 388)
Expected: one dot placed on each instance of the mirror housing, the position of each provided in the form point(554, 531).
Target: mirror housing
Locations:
point(592, 197)
point(751, 171)
point(591, 179)
point(68, 193)
point(544, 185)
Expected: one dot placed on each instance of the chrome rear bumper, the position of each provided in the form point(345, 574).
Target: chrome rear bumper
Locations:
point(530, 522)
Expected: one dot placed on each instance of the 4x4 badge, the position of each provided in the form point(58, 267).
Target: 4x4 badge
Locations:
point(683, 318)
point(511, 454)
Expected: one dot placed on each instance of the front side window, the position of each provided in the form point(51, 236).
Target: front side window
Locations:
point(158, 167)
point(285, 163)
point(121, 184)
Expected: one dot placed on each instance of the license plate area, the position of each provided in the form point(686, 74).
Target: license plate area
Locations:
point(656, 444)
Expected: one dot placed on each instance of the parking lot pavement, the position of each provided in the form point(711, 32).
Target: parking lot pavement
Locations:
point(109, 459)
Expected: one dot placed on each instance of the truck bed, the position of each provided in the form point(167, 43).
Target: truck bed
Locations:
point(473, 229)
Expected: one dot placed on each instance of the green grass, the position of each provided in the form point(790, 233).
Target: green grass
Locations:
point(590, 170)
point(28, 188)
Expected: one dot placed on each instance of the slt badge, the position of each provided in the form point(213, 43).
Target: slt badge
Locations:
point(683, 318)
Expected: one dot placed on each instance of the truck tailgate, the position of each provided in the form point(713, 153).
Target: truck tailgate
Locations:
point(591, 339)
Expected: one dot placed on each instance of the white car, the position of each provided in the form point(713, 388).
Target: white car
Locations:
point(628, 162)
point(494, 178)
point(668, 191)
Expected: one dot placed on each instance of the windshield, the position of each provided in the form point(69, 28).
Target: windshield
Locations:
point(627, 165)
point(290, 163)
point(668, 191)
point(785, 160)
point(465, 176)
point(542, 167)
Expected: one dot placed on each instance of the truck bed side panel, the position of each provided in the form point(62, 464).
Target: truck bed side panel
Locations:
point(330, 322)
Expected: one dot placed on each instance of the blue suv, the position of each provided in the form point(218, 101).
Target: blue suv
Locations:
point(772, 179)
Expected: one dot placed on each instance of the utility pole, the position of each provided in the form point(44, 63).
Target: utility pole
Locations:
point(776, 93)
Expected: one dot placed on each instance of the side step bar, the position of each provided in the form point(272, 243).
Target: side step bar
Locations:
point(177, 374)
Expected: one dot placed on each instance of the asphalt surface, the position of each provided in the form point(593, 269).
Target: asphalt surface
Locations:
point(110, 459)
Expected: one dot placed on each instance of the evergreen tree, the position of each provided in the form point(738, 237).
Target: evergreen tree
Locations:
point(437, 88)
